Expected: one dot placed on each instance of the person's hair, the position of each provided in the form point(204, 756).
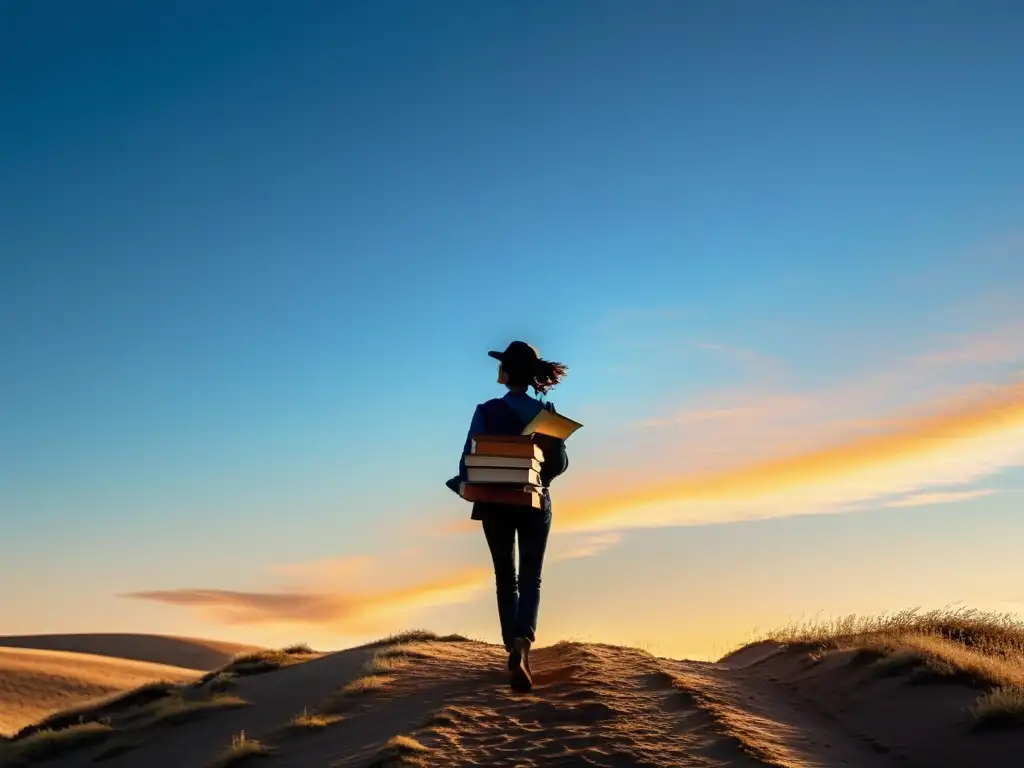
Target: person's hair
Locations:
point(544, 375)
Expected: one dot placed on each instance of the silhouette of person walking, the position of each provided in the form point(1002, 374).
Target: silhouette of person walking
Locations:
point(520, 367)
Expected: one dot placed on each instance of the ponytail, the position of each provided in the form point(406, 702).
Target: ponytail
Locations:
point(546, 375)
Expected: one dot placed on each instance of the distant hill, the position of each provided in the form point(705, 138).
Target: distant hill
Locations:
point(185, 652)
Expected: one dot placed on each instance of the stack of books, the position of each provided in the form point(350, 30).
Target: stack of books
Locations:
point(503, 469)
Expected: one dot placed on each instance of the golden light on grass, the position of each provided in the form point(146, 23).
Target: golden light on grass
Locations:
point(401, 751)
point(242, 748)
point(98, 711)
point(952, 645)
point(312, 720)
point(1001, 708)
point(46, 744)
point(388, 661)
point(178, 710)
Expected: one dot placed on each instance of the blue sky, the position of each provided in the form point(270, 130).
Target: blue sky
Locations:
point(252, 257)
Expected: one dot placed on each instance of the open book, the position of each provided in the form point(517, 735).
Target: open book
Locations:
point(552, 424)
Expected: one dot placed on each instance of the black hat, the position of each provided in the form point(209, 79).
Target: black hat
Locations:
point(519, 355)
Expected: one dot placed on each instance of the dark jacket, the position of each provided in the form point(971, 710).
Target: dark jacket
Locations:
point(508, 415)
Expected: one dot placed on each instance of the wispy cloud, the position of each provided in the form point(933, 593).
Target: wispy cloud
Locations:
point(1005, 345)
point(352, 611)
point(320, 598)
point(940, 497)
point(960, 443)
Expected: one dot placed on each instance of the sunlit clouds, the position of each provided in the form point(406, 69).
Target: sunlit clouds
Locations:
point(960, 444)
point(341, 594)
point(325, 606)
point(898, 437)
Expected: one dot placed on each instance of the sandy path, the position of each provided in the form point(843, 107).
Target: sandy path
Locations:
point(592, 706)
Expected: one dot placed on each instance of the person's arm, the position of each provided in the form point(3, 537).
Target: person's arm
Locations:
point(556, 460)
point(476, 426)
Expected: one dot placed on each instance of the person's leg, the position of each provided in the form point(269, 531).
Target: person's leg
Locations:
point(533, 532)
point(501, 537)
point(533, 529)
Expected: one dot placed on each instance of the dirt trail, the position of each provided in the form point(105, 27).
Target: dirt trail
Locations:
point(592, 705)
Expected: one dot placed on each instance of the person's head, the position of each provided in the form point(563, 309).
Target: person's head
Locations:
point(520, 366)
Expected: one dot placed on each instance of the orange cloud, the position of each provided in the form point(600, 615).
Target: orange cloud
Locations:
point(953, 445)
point(352, 611)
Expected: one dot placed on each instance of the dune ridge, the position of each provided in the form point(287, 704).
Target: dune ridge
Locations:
point(904, 690)
point(35, 683)
point(43, 674)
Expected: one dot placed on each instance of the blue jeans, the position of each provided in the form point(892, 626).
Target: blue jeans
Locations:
point(518, 598)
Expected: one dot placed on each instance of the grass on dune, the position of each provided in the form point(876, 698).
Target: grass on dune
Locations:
point(1000, 708)
point(257, 663)
point(960, 642)
point(378, 674)
point(45, 743)
point(955, 645)
point(241, 749)
point(300, 649)
point(417, 636)
point(99, 710)
point(401, 751)
point(388, 661)
point(179, 710)
point(996, 634)
point(307, 720)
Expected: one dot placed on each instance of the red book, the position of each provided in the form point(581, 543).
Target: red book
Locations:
point(516, 495)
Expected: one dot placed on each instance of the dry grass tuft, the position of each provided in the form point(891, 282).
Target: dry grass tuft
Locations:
point(97, 711)
point(417, 636)
point(959, 645)
point(997, 634)
point(241, 749)
point(385, 663)
point(179, 710)
point(260, 663)
point(343, 700)
point(45, 744)
point(312, 720)
point(401, 652)
point(401, 751)
point(1001, 708)
point(449, 717)
point(221, 682)
point(300, 649)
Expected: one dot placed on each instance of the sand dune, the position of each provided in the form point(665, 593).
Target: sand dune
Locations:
point(432, 703)
point(35, 683)
point(187, 652)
